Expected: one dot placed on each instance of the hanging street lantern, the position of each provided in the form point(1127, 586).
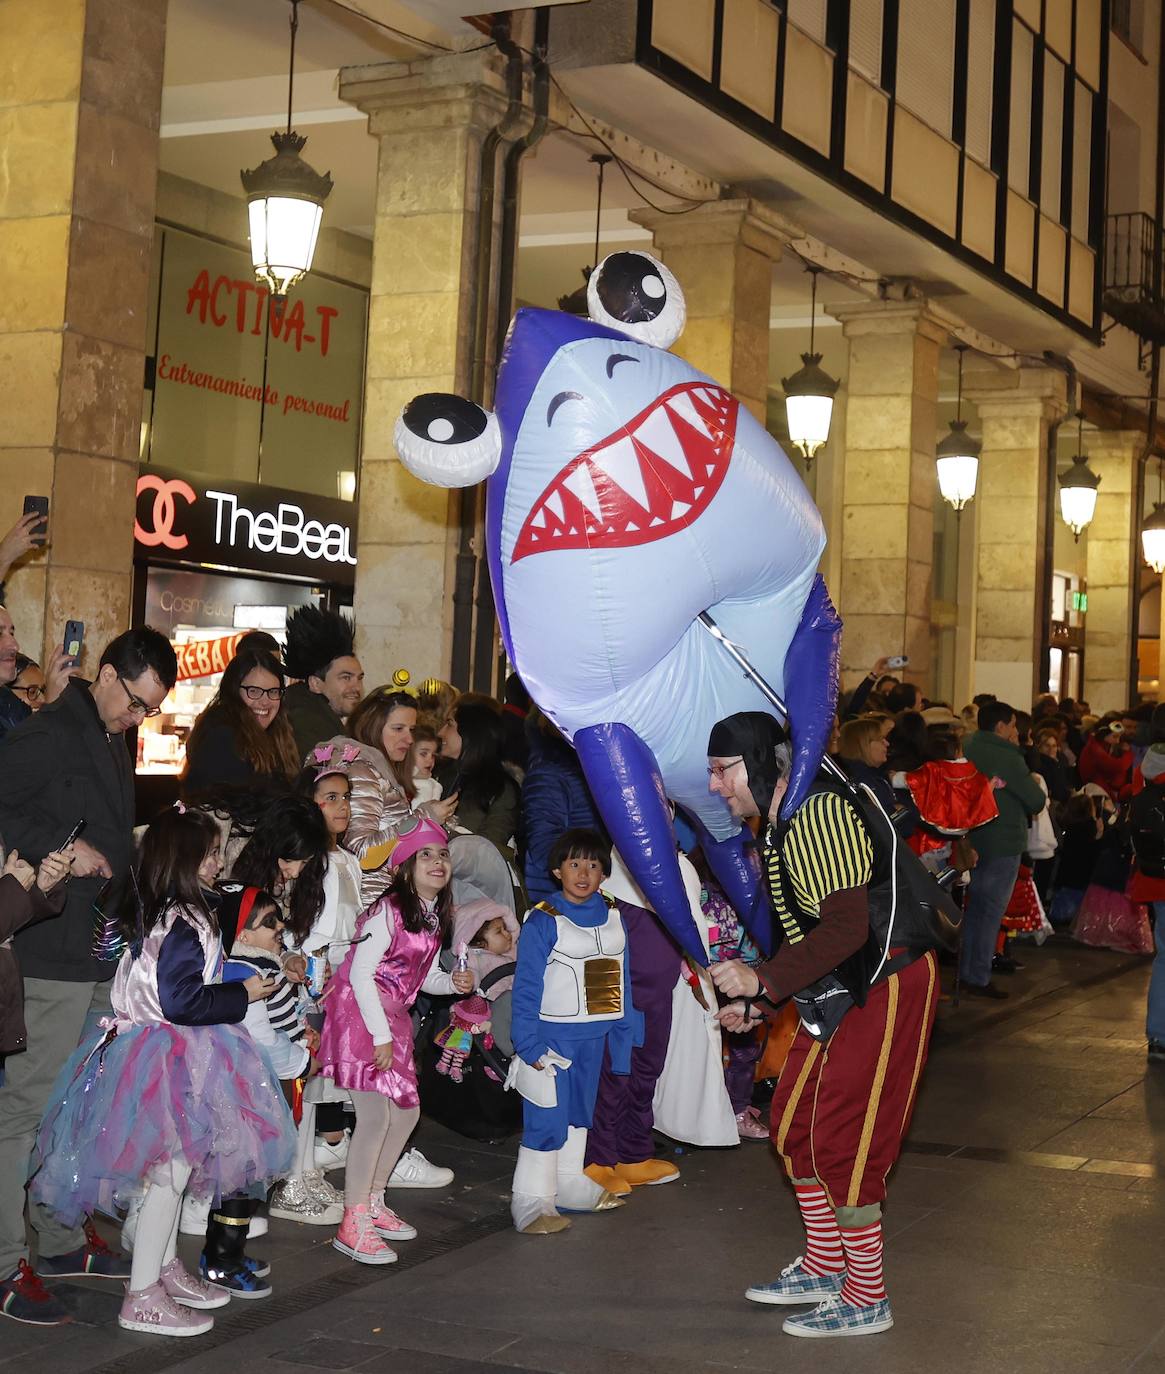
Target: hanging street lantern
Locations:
point(285, 202)
point(957, 459)
point(809, 392)
point(1153, 538)
point(957, 456)
point(1078, 485)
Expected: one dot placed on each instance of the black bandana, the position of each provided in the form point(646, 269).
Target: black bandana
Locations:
point(756, 737)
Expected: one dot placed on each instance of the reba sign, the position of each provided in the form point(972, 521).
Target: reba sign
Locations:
point(201, 657)
point(245, 526)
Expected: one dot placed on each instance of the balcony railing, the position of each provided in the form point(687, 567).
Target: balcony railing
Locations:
point(1133, 275)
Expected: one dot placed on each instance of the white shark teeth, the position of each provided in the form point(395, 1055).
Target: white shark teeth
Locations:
point(682, 406)
point(620, 463)
point(658, 435)
point(579, 483)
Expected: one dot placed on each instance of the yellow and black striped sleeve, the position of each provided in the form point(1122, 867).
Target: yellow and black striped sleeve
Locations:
point(827, 849)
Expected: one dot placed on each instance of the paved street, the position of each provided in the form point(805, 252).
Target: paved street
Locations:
point(1024, 1233)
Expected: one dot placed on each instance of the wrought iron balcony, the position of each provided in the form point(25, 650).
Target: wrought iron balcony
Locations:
point(1134, 280)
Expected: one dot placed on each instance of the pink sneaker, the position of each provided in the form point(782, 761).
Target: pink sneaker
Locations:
point(750, 1126)
point(359, 1239)
point(387, 1222)
point(154, 1311)
point(190, 1290)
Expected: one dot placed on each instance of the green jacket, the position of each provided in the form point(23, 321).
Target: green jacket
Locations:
point(312, 719)
point(1018, 801)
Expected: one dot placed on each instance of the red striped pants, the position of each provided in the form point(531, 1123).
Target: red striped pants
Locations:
point(840, 1112)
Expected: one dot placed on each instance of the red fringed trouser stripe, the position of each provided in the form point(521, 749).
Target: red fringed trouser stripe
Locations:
point(839, 1114)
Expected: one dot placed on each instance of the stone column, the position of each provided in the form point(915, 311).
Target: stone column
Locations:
point(891, 427)
point(723, 255)
point(429, 118)
point(80, 95)
point(1113, 557)
point(1015, 409)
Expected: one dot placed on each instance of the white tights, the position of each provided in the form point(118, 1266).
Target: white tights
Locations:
point(156, 1242)
point(305, 1155)
point(382, 1131)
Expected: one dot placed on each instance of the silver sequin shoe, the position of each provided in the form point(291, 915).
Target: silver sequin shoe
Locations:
point(293, 1200)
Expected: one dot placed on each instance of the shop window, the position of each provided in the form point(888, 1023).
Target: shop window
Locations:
point(980, 79)
point(237, 389)
point(1019, 148)
point(865, 39)
point(925, 77)
point(202, 613)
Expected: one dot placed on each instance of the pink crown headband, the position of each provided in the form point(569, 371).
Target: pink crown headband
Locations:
point(325, 760)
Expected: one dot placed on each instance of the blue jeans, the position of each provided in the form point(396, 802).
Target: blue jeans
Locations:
point(992, 881)
point(1155, 1012)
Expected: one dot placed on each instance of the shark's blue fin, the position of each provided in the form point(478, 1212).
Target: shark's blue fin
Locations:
point(811, 682)
point(625, 782)
point(735, 865)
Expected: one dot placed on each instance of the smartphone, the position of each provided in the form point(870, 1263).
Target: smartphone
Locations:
point(898, 661)
point(74, 640)
point(73, 834)
point(40, 506)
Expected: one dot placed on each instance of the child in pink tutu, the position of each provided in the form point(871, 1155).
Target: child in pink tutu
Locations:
point(366, 1044)
point(174, 1094)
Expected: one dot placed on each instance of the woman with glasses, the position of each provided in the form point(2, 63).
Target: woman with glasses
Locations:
point(23, 695)
point(243, 735)
point(29, 683)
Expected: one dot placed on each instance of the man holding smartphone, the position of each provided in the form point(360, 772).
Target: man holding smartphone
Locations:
point(69, 763)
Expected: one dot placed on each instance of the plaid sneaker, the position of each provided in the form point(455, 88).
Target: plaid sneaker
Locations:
point(796, 1286)
point(836, 1318)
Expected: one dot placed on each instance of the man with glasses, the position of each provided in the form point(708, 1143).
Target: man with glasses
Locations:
point(866, 1005)
point(67, 764)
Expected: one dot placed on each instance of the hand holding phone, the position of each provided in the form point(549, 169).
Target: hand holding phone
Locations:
point(74, 641)
point(38, 529)
point(898, 661)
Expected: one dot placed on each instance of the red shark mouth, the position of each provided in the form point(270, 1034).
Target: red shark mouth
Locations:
point(655, 475)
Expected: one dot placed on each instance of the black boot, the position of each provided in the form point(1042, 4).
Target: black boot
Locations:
point(224, 1260)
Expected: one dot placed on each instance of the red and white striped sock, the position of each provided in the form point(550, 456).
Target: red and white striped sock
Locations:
point(823, 1254)
point(863, 1265)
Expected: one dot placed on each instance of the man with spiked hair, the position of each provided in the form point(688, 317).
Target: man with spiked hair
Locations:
point(321, 655)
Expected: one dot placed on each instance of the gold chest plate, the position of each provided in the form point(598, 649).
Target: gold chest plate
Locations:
point(602, 979)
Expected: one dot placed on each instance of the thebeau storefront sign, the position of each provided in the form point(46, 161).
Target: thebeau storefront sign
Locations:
point(201, 522)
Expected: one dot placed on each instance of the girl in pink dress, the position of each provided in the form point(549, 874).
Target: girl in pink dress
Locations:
point(366, 1044)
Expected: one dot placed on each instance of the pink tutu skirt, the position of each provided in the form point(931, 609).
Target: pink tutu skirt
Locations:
point(132, 1102)
point(346, 1050)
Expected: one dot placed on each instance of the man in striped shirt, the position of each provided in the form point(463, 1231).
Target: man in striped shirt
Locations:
point(846, 1091)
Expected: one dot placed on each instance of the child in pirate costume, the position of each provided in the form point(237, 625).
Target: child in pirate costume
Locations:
point(571, 1000)
point(866, 1005)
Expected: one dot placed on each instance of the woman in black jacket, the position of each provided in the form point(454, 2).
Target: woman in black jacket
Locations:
point(243, 735)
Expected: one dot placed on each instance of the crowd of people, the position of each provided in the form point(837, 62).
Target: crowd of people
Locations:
point(345, 870)
point(1037, 811)
point(366, 903)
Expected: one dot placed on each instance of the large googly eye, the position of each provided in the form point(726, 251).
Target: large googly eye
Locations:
point(636, 293)
point(447, 440)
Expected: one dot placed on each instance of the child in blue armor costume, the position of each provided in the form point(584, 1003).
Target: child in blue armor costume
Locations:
point(571, 1000)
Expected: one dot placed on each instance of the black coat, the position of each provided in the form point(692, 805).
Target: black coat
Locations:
point(58, 768)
